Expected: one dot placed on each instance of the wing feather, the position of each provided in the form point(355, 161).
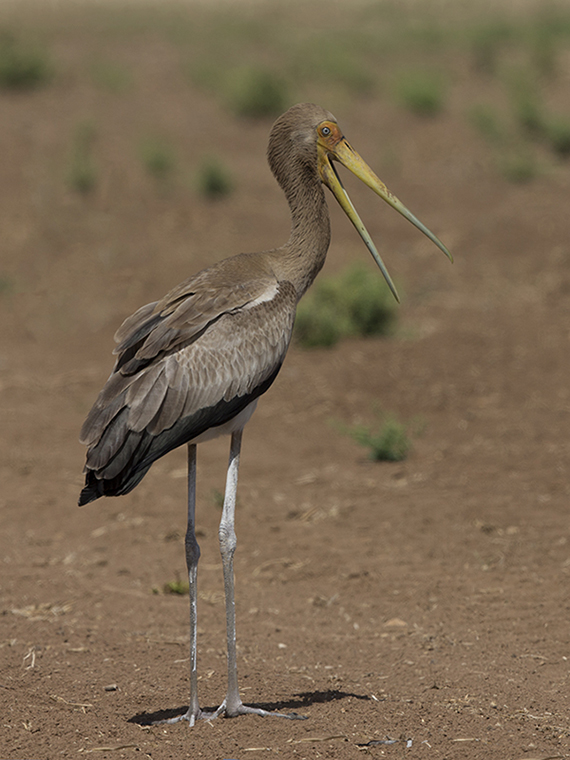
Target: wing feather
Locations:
point(124, 455)
point(185, 364)
point(109, 443)
point(135, 327)
point(109, 403)
point(184, 313)
point(147, 398)
point(174, 398)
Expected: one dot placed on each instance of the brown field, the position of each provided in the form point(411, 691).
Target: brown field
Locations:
point(424, 601)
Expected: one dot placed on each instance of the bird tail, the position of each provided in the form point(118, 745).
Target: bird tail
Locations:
point(96, 487)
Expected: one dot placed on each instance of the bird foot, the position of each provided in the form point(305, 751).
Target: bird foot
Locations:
point(191, 716)
point(240, 709)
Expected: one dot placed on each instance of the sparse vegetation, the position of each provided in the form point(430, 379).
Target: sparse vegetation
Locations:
point(158, 157)
point(355, 302)
point(206, 74)
point(81, 173)
point(513, 155)
point(517, 163)
point(6, 285)
point(213, 180)
point(389, 442)
point(556, 130)
point(486, 44)
point(328, 59)
point(543, 51)
point(513, 135)
point(22, 67)
point(421, 92)
point(256, 92)
point(111, 76)
point(525, 102)
point(178, 587)
point(487, 122)
point(517, 52)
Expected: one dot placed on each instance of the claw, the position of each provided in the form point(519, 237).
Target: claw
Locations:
point(239, 709)
point(191, 717)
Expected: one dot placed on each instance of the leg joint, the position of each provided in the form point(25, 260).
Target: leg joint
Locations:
point(227, 536)
point(192, 549)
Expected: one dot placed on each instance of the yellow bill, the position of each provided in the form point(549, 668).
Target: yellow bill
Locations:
point(332, 146)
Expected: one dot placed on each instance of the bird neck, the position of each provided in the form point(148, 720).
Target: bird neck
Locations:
point(303, 256)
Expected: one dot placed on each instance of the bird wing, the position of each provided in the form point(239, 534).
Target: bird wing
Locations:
point(181, 316)
point(188, 363)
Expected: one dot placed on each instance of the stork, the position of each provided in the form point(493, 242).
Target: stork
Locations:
point(192, 366)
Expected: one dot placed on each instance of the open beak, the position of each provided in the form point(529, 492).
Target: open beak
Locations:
point(333, 147)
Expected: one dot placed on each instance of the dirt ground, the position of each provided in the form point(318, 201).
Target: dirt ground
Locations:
point(424, 601)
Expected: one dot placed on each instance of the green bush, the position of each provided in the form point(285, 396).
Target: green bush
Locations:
point(421, 92)
point(158, 157)
point(257, 92)
point(21, 68)
point(177, 587)
point(389, 443)
point(356, 302)
point(557, 134)
point(213, 179)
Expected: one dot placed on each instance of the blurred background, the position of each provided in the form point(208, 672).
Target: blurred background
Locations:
point(133, 135)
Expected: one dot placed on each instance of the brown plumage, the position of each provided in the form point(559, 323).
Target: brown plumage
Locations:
point(198, 357)
point(188, 363)
point(192, 365)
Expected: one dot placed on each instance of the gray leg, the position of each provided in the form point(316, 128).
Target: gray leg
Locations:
point(192, 556)
point(227, 535)
point(232, 705)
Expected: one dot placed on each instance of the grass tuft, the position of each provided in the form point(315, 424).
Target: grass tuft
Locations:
point(213, 179)
point(390, 442)
point(178, 587)
point(355, 302)
point(81, 173)
point(158, 157)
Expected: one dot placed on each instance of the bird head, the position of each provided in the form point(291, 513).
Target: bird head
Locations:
point(333, 146)
point(310, 135)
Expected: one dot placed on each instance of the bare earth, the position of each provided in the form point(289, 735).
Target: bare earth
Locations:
point(425, 601)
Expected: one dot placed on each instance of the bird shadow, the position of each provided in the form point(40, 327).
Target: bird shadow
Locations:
point(299, 702)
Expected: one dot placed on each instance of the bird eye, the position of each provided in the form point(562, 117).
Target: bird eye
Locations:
point(325, 131)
